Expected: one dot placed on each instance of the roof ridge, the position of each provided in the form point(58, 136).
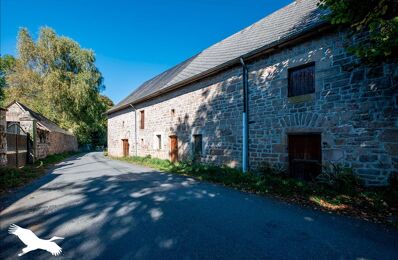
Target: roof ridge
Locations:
point(41, 118)
point(293, 19)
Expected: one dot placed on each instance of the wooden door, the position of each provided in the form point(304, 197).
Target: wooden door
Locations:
point(173, 148)
point(305, 155)
point(125, 147)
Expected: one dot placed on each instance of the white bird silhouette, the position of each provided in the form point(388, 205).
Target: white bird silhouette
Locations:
point(32, 242)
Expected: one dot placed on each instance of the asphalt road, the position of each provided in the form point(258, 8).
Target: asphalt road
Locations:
point(109, 209)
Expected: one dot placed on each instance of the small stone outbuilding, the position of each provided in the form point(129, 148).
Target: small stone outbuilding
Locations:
point(48, 137)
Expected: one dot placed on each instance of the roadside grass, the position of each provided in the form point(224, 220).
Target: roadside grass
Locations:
point(11, 178)
point(373, 204)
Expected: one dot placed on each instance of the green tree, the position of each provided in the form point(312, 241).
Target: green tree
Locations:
point(7, 63)
point(99, 137)
point(379, 18)
point(58, 78)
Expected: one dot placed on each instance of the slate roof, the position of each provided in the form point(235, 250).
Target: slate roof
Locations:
point(42, 120)
point(288, 22)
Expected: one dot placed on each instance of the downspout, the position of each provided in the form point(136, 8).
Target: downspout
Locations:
point(245, 122)
point(135, 129)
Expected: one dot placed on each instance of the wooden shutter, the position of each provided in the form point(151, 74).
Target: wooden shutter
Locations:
point(301, 80)
point(142, 122)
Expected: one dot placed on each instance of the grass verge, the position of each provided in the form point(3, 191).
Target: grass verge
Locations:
point(376, 205)
point(11, 178)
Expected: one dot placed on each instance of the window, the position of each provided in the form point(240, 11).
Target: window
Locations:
point(159, 139)
point(301, 80)
point(305, 155)
point(13, 128)
point(42, 136)
point(172, 112)
point(197, 146)
point(142, 122)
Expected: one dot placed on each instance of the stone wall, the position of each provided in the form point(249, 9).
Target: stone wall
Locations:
point(354, 107)
point(54, 142)
point(210, 107)
point(3, 138)
point(60, 143)
point(41, 150)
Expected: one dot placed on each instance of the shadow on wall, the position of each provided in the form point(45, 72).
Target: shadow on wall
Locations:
point(353, 105)
point(219, 116)
point(217, 119)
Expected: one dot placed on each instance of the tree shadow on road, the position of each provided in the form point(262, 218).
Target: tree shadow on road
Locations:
point(128, 212)
point(8, 199)
point(154, 215)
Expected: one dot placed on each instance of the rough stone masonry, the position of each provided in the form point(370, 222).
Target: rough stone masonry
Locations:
point(3, 137)
point(354, 108)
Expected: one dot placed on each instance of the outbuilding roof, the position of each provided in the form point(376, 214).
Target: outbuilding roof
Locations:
point(288, 22)
point(42, 121)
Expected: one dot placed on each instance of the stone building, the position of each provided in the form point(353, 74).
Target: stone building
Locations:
point(308, 103)
point(48, 139)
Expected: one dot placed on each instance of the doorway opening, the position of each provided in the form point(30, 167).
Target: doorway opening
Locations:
point(126, 147)
point(173, 148)
point(305, 155)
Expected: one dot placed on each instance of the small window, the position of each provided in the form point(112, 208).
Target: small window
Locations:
point(197, 146)
point(301, 80)
point(159, 139)
point(13, 128)
point(172, 112)
point(305, 155)
point(142, 122)
point(42, 137)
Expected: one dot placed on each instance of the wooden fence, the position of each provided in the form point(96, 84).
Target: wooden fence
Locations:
point(19, 149)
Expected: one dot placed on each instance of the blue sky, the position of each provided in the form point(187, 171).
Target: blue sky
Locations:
point(133, 40)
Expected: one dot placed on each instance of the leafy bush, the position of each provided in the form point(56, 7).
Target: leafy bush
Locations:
point(377, 18)
point(273, 169)
point(339, 178)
